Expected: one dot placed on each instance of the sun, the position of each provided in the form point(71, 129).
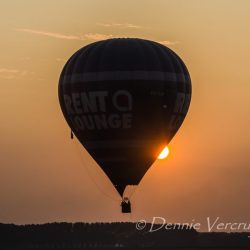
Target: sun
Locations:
point(164, 153)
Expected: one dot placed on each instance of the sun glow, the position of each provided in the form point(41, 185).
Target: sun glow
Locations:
point(164, 153)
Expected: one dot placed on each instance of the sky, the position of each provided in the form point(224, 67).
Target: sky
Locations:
point(45, 176)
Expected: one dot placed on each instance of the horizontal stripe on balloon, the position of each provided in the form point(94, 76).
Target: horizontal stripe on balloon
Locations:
point(125, 75)
point(119, 144)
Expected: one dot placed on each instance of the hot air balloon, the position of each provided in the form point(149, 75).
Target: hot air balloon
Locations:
point(124, 99)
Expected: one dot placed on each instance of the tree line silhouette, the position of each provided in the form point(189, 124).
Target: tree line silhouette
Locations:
point(111, 235)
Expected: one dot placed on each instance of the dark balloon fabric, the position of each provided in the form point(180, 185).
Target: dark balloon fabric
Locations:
point(124, 99)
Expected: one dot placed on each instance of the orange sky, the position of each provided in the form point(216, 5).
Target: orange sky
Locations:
point(44, 177)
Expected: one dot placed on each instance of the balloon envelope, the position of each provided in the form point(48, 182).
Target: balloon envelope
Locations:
point(124, 99)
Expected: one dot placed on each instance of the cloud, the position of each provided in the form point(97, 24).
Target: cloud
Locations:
point(61, 60)
point(121, 25)
point(166, 42)
point(7, 73)
point(52, 34)
point(88, 36)
point(5, 70)
point(97, 36)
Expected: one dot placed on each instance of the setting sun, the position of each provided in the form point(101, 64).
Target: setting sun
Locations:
point(164, 153)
